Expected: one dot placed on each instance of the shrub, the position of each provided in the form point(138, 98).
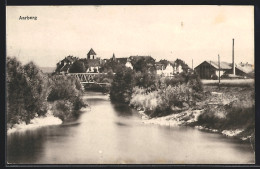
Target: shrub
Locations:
point(146, 80)
point(70, 91)
point(214, 77)
point(237, 116)
point(62, 109)
point(143, 100)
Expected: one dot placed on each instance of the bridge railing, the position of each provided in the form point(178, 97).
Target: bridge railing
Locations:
point(87, 78)
point(86, 73)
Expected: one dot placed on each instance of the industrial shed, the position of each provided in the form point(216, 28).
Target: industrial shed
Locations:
point(210, 69)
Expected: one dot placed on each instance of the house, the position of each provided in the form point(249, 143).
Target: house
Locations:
point(179, 66)
point(129, 64)
point(243, 69)
point(64, 65)
point(123, 61)
point(65, 68)
point(168, 71)
point(164, 70)
point(210, 69)
point(93, 65)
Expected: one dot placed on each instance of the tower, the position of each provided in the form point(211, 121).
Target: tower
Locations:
point(91, 54)
point(113, 57)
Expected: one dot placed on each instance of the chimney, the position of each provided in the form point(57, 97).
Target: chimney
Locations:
point(192, 64)
point(233, 59)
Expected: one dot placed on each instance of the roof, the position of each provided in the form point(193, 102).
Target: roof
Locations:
point(139, 57)
point(122, 60)
point(91, 52)
point(246, 68)
point(223, 65)
point(69, 59)
point(65, 68)
point(159, 66)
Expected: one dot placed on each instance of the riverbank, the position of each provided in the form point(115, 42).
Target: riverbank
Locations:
point(49, 119)
point(228, 111)
point(36, 122)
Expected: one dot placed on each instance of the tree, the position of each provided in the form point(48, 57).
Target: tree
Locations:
point(146, 80)
point(65, 96)
point(122, 85)
point(26, 94)
point(164, 62)
point(110, 65)
point(15, 90)
point(37, 90)
point(144, 64)
point(77, 67)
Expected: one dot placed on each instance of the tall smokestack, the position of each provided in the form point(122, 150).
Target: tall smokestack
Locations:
point(192, 64)
point(233, 59)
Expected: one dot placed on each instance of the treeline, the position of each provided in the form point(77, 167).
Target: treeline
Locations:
point(30, 93)
point(156, 95)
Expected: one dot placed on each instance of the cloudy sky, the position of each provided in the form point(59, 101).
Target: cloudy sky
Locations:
point(164, 32)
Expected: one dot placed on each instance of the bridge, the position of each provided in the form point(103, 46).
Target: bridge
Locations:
point(88, 78)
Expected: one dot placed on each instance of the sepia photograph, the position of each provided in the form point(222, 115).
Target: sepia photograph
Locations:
point(130, 84)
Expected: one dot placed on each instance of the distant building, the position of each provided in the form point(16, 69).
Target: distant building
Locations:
point(91, 54)
point(210, 69)
point(93, 65)
point(164, 71)
point(137, 57)
point(170, 68)
point(123, 61)
point(129, 64)
point(179, 66)
point(93, 62)
point(159, 68)
point(64, 65)
point(244, 70)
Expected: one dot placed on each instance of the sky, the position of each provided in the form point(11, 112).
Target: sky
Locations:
point(169, 32)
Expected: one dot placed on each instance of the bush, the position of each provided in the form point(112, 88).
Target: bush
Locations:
point(70, 91)
point(143, 100)
point(62, 109)
point(214, 77)
point(237, 116)
point(146, 80)
point(163, 101)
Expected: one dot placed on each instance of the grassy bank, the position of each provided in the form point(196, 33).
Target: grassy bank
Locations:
point(228, 110)
point(230, 82)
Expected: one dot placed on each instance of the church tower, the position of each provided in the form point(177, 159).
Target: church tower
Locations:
point(114, 57)
point(91, 54)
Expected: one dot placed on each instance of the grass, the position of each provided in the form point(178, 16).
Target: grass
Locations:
point(230, 82)
point(237, 113)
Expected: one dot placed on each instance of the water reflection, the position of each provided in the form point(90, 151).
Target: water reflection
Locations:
point(122, 110)
point(113, 133)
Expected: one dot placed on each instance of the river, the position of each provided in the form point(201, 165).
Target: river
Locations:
point(114, 134)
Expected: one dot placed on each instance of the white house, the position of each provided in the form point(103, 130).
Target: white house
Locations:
point(164, 71)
